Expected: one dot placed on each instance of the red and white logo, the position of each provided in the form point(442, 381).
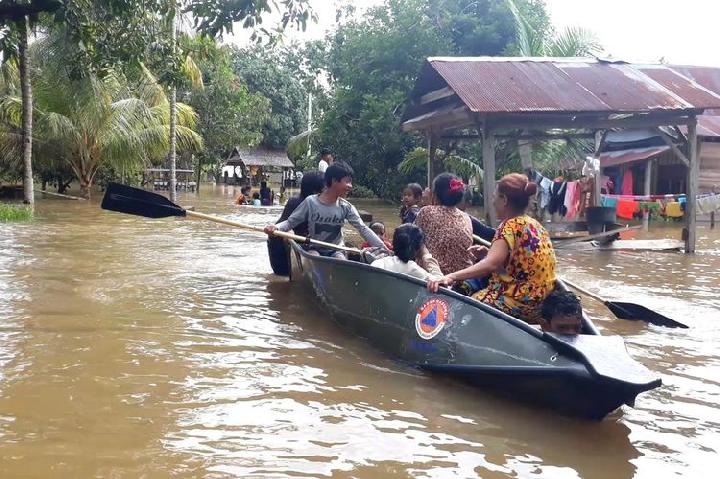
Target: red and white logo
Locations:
point(431, 318)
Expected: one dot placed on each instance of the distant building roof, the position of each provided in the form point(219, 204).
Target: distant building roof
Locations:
point(259, 157)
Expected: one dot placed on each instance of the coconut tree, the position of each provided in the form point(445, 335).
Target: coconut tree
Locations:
point(93, 122)
point(570, 42)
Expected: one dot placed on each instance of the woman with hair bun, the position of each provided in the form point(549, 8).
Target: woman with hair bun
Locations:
point(448, 231)
point(521, 260)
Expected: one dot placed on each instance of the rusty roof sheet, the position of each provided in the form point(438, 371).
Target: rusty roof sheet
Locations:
point(614, 158)
point(709, 126)
point(544, 85)
point(259, 157)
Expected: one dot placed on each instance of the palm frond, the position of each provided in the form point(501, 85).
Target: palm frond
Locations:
point(191, 71)
point(574, 42)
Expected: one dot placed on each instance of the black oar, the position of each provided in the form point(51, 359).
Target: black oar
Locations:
point(620, 309)
point(134, 201)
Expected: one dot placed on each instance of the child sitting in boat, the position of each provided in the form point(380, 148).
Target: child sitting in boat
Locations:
point(256, 199)
point(561, 313)
point(327, 212)
point(411, 256)
point(379, 229)
point(411, 201)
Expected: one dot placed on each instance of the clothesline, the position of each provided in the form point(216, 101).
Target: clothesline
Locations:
point(645, 197)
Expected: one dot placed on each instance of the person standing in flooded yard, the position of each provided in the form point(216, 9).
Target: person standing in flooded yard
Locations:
point(326, 159)
point(327, 212)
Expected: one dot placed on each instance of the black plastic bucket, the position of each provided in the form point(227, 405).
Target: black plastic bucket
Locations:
point(600, 218)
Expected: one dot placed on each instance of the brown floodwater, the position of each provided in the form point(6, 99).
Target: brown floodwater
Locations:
point(166, 348)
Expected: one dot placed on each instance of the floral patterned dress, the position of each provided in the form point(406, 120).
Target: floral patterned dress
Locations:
point(529, 273)
point(448, 235)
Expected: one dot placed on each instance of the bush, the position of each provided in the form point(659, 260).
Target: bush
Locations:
point(360, 191)
point(14, 213)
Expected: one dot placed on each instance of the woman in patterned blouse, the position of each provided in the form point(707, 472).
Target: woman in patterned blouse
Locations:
point(521, 260)
point(448, 231)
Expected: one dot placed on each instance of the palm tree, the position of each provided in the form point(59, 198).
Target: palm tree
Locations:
point(571, 42)
point(416, 160)
point(92, 122)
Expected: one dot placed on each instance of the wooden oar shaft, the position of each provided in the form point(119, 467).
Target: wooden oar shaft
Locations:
point(584, 291)
point(568, 282)
point(281, 234)
point(70, 197)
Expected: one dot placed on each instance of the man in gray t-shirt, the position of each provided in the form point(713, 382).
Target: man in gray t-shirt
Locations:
point(327, 212)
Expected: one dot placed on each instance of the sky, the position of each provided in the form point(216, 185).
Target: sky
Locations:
point(682, 32)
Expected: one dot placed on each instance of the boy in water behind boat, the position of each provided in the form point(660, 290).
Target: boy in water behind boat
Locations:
point(561, 313)
point(327, 212)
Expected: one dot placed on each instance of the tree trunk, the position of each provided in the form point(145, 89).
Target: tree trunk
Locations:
point(85, 184)
point(172, 157)
point(173, 119)
point(199, 172)
point(27, 106)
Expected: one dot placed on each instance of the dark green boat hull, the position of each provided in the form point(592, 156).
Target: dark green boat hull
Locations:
point(447, 333)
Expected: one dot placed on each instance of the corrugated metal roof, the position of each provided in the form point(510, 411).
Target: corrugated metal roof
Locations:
point(614, 158)
point(543, 85)
point(709, 126)
point(260, 157)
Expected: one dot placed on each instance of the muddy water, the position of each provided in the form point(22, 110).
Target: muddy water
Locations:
point(165, 348)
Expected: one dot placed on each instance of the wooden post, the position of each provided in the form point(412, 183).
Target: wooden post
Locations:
point(647, 192)
point(525, 151)
point(599, 141)
point(488, 149)
point(692, 190)
point(712, 219)
point(431, 148)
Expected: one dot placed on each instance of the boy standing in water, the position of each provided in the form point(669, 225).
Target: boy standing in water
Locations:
point(327, 212)
point(561, 313)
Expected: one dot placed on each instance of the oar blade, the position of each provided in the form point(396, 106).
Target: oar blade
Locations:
point(638, 312)
point(134, 201)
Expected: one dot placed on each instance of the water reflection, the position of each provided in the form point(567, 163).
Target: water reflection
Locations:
point(150, 348)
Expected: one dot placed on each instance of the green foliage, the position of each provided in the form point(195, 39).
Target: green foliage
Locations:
point(10, 213)
point(264, 70)
point(373, 64)
point(360, 191)
point(229, 114)
point(92, 122)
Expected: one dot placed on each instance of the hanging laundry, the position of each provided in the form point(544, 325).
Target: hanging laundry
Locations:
point(572, 199)
point(708, 204)
point(557, 198)
point(544, 195)
point(673, 210)
point(627, 209)
point(627, 182)
point(608, 202)
point(544, 185)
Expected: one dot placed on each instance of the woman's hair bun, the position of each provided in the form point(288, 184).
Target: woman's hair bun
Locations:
point(530, 188)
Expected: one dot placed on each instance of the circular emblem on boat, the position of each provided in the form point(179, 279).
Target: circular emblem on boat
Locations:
point(431, 318)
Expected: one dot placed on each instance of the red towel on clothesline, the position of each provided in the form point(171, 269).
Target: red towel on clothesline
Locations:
point(626, 209)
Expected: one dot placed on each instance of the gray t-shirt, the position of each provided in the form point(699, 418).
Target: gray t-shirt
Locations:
point(325, 222)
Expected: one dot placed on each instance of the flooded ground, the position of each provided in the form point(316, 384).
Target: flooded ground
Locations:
point(166, 348)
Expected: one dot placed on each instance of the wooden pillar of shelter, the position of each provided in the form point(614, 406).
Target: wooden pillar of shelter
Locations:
point(432, 153)
point(488, 156)
point(525, 151)
point(692, 190)
point(647, 191)
point(600, 136)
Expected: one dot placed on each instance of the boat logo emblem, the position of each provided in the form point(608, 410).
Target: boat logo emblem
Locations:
point(431, 318)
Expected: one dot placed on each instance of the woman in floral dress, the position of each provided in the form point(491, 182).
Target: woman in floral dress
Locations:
point(521, 259)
